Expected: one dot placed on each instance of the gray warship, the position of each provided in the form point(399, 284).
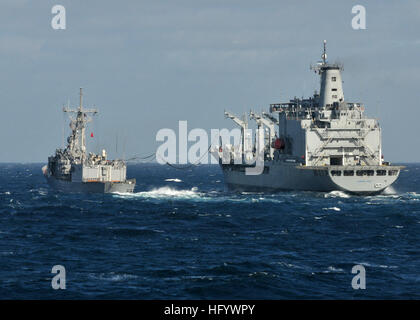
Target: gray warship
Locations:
point(322, 143)
point(73, 170)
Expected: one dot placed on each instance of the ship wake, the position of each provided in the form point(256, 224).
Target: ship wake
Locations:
point(164, 193)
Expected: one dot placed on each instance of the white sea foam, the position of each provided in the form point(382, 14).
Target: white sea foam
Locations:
point(336, 194)
point(204, 277)
point(374, 265)
point(389, 190)
point(174, 180)
point(164, 192)
point(414, 194)
point(334, 208)
point(113, 276)
point(333, 269)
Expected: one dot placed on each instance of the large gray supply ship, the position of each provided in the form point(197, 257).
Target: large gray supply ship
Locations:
point(73, 170)
point(323, 143)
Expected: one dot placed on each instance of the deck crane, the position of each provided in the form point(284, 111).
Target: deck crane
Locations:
point(245, 136)
point(271, 129)
point(270, 117)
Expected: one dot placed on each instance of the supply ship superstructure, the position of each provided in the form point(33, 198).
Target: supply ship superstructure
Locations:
point(322, 143)
point(72, 169)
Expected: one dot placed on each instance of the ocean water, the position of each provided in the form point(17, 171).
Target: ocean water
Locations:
point(181, 235)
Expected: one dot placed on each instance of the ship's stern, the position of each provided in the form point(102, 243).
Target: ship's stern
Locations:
point(363, 179)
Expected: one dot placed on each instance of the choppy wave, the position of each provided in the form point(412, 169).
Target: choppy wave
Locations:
point(336, 194)
point(173, 180)
point(167, 192)
point(390, 190)
point(333, 208)
point(164, 193)
point(332, 269)
point(112, 276)
point(413, 195)
point(197, 240)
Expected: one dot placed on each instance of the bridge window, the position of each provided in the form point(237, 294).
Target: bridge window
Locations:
point(335, 172)
point(334, 89)
point(392, 172)
point(348, 173)
point(334, 79)
point(381, 172)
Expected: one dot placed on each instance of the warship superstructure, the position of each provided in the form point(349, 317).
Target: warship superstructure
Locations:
point(72, 169)
point(323, 143)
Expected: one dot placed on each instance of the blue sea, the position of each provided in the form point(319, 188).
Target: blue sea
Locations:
point(182, 235)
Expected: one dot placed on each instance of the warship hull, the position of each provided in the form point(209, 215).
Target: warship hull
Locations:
point(364, 180)
point(91, 187)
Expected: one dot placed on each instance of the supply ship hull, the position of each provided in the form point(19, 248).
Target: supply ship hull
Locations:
point(288, 176)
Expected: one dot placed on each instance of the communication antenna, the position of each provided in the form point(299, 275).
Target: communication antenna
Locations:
point(318, 66)
point(324, 55)
point(64, 120)
point(116, 144)
point(81, 98)
point(124, 144)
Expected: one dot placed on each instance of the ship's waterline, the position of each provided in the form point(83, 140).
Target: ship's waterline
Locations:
point(277, 177)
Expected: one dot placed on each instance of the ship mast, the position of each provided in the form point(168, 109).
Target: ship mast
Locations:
point(331, 90)
point(324, 55)
point(77, 139)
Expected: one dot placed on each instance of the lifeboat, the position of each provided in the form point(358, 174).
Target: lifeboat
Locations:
point(279, 144)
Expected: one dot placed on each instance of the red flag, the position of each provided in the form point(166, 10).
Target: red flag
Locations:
point(91, 134)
